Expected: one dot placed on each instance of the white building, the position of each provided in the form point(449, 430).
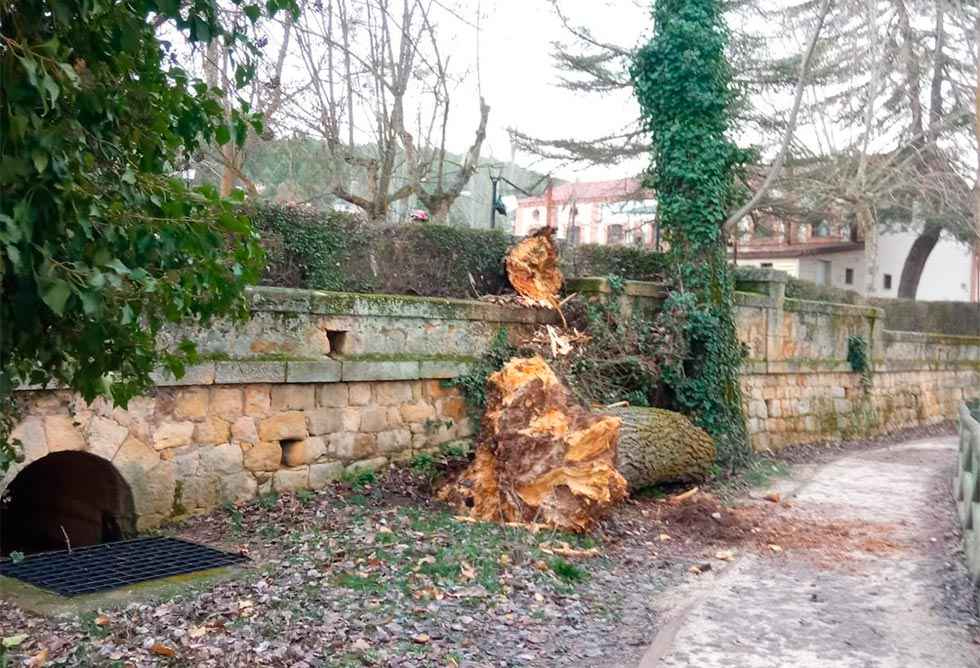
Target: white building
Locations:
point(949, 273)
point(616, 212)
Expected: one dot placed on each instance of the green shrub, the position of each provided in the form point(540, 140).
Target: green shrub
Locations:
point(307, 248)
point(799, 289)
point(635, 264)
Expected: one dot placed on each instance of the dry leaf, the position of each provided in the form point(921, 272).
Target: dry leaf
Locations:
point(160, 649)
point(561, 548)
point(197, 631)
point(725, 555)
point(663, 538)
point(775, 548)
point(504, 560)
point(772, 497)
point(101, 620)
point(38, 659)
point(467, 571)
point(361, 645)
point(421, 638)
point(678, 499)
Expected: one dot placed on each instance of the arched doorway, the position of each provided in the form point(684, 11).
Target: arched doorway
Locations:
point(65, 496)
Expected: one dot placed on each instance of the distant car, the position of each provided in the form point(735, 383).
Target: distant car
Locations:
point(418, 216)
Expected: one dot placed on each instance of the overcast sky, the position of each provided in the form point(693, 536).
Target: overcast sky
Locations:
point(519, 79)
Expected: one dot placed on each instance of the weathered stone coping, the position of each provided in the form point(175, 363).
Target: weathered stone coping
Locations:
point(827, 308)
point(355, 369)
point(319, 302)
point(366, 368)
point(930, 338)
point(587, 285)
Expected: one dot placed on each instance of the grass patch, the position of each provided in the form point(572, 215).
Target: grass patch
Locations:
point(567, 571)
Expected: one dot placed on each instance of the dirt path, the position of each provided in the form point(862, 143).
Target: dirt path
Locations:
point(897, 606)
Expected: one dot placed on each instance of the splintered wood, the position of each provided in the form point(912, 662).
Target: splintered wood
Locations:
point(532, 268)
point(541, 457)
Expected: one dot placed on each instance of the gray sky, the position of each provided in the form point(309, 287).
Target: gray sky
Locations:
point(519, 79)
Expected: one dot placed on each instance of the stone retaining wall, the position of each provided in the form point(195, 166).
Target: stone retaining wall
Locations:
point(797, 382)
point(313, 385)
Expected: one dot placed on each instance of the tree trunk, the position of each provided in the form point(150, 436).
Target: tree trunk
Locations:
point(915, 263)
point(658, 446)
point(869, 226)
point(541, 456)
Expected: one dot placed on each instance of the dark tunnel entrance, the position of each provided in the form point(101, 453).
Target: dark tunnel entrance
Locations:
point(65, 497)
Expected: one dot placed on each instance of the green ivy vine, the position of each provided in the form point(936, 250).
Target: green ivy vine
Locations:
point(684, 86)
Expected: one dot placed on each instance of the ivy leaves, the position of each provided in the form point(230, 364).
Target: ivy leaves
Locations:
point(683, 84)
point(101, 241)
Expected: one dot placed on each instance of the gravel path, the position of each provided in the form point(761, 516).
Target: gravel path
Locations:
point(900, 600)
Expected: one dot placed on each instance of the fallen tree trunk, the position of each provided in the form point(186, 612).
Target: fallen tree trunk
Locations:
point(532, 268)
point(658, 446)
point(541, 456)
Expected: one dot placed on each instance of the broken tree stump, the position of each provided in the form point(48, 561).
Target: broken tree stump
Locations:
point(541, 456)
point(532, 268)
point(658, 446)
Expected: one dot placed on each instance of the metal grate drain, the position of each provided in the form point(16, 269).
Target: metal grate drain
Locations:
point(111, 565)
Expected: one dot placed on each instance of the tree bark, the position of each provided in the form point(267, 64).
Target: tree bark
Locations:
point(657, 446)
point(541, 456)
point(915, 263)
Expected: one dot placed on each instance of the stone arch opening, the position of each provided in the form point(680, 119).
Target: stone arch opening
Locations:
point(73, 494)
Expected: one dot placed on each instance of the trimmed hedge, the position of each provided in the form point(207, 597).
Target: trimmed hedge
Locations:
point(307, 248)
point(627, 262)
point(800, 289)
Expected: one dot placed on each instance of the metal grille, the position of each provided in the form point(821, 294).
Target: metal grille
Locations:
point(111, 565)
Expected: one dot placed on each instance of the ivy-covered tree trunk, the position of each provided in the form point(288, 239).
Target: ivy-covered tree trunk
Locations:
point(683, 83)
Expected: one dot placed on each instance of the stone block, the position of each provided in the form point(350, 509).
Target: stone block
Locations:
point(104, 437)
point(434, 389)
point(30, 433)
point(191, 404)
point(237, 488)
point(258, 400)
point(227, 402)
point(248, 371)
point(291, 480)
point(394, 416)
point(352, 419)
point(322, 475)
point(394, 441)
point(243, 430)
point(221, 460)
point(62, 433)
point(199, 492)
point(374, 419)
point(374, 464)
point(354, 370)
point(392, 394)
point(153, 490)
point(352, 446)
point(263, 456)
point(443, 369)
point(293, 397)
point(307, 451)
point(332, 395)
point(321, 371)
point(135, 454)
point(283, 427)
point(417, 412)
point(198, 374)
point(360, 394)
point(773, 408)
point(453, 408)
point(212, 431)
point(325, 420)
